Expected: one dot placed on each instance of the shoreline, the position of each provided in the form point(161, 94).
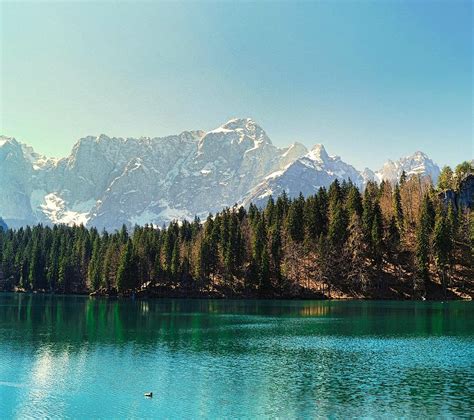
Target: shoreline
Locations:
point(142, 295)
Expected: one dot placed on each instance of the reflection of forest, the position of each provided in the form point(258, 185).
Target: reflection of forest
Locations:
point(315, 310)
point(209, 325)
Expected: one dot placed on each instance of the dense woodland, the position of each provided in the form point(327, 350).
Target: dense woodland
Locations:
point(389, 241)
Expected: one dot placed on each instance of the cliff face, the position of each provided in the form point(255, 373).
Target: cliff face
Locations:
point(464, 197)
point(466, 192)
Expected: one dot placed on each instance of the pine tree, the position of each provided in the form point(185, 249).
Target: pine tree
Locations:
point(94, 271)
point(264, 274)
point(446, 179)
point(203, 264)
point(403, 178)
point(337, 226)
point(356, 252)
point(276, 250)
point(393, 236)
point(367, 215)
point(354, 202)
point(323, 201)
point(270, 211)
point(422, 251)
point(461, 171)
point(175, 260)
point(126, 273)
point(428, 212)
point(397, 208)
point(442, 246)
point(335, 193)
point(452, 221)
point(295, 219)
point(376, 233)
point(259, 241)
point(36, 275)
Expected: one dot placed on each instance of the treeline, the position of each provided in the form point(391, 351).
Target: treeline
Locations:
point(394, 241)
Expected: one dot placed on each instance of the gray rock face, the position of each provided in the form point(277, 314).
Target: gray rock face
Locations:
point(464, 197)
point(466, 192)
point(106, 182)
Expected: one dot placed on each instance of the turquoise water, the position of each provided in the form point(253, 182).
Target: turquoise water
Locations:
point(81, 357)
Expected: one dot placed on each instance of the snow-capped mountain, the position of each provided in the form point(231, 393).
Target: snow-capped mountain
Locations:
point(306, 175)
point(416, 164)
point(106, 182)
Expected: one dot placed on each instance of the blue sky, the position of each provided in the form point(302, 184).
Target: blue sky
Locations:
point(369, 79)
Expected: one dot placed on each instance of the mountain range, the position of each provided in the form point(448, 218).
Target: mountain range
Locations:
point(106, 182)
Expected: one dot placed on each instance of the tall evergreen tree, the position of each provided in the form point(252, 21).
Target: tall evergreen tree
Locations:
point(94, 271)
point(295, 220)
point(442, 245)
point(126, 273)
point(337, 226)
point(422, 251)
point(397, 208)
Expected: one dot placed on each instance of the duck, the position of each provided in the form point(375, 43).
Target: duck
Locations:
point(149, 394)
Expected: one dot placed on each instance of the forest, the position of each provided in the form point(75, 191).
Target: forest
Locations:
point(401, 241)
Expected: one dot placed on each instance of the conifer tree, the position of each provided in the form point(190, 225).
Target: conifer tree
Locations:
point(442, 246)
point(270, 211)
point(376, 233)
point(175, 260)
point(461, 171)
point(356, 251)
point(403, 178)
point(367, 215)
point(354, 202)
point(94, 271)
point(295, 220)
point(323, 202)
point(337, 226)
point(428, 212)
point(335, 193)
point(276, 250)
point(264, 272)
point(393, 236)
point(397, 208)
point(259, 241)
point(36, 276)
point(126, 272)
point(446, 179)
point(422, 251)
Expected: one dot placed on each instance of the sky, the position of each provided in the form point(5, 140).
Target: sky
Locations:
point(371, 80)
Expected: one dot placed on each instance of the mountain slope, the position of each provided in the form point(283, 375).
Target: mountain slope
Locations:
point(306, 175)
point(416, 164)
point(106, 182)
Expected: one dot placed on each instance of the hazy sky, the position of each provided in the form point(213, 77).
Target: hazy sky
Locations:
point(369, 79)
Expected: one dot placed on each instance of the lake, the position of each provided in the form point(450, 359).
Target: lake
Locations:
point(75, 356)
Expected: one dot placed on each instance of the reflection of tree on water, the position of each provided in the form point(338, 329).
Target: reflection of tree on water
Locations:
point(301, 358)
point(315, 310)
point(216, 325)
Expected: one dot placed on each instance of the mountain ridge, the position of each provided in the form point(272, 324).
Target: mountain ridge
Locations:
point(109, 181)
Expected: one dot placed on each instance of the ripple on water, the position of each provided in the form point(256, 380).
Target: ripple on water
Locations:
point(236, 359)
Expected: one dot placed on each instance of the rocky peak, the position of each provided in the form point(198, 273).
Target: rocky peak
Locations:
point(318, 153)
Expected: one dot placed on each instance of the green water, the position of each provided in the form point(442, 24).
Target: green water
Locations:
point(80, 357)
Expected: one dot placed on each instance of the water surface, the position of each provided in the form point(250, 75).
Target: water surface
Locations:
point(67, 356)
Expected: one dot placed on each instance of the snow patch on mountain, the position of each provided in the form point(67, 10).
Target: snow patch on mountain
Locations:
point(417, 164)
point(55, 209)
point(306, 175)
point(109, 181)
